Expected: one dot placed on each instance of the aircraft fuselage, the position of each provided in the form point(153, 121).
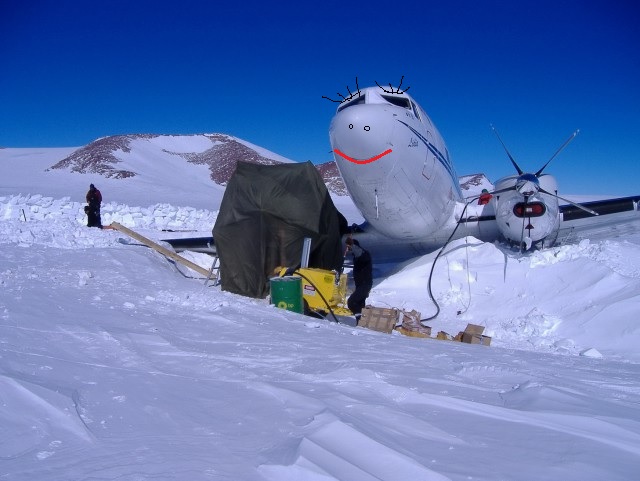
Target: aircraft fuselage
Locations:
point(395, 164)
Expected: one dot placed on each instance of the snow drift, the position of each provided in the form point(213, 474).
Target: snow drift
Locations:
point(117, 364)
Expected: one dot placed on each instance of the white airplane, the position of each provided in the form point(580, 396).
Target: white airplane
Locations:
point(398, 172)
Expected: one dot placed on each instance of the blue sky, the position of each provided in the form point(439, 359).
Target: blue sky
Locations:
point(73, 71)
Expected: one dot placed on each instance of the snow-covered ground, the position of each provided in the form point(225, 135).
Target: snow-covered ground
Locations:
point(116, 364)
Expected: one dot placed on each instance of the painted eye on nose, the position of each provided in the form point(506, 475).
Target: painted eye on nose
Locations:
point(350, 126)
point(367, 128)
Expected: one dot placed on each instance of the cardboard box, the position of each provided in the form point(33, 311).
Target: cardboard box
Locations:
point(444, 336)
point(425, 332)
point(473, 335)
point(474, 329)
point(476, 339)
point(411, 325)
point(379, 318)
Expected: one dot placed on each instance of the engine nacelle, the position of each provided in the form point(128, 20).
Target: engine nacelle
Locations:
point(525, 216)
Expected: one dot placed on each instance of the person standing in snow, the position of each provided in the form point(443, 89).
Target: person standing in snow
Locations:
point(94, 199)
point(362, 276)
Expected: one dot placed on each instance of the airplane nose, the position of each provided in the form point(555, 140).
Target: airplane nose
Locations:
point(362, 131)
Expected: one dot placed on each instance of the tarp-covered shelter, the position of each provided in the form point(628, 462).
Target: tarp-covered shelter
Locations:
point(265, 214)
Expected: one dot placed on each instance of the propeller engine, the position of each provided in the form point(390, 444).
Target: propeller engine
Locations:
point(526, 205)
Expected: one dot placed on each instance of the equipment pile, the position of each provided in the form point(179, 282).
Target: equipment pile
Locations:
point(408, 323)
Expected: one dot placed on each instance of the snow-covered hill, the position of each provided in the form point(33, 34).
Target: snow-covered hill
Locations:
point(123, 156)
point(117, 365)
point(153, 168)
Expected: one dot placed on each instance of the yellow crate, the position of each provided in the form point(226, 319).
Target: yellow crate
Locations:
point(319, 283)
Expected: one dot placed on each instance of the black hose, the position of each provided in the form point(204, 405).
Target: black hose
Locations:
point(433, 299)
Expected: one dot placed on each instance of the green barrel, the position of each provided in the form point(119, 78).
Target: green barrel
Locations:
point(286, 293)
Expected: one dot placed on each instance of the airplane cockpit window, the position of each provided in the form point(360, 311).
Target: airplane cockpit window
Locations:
point(399, 101)
point(416, 111)
point(358, 100)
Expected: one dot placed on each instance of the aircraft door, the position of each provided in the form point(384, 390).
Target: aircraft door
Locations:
point(429, 161)
point(416, 216)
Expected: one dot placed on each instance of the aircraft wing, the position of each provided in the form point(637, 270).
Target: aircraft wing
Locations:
point(615, 218)
point(195, 244)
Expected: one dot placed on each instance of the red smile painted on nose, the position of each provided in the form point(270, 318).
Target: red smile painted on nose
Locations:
point(366, 161)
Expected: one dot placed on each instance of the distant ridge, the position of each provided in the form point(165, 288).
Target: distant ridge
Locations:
point(98, 157)
point(221, 157)
point(332, 178)
point(220, 153)
point(472, 184)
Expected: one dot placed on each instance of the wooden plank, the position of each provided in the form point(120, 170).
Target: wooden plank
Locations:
point(162, 250)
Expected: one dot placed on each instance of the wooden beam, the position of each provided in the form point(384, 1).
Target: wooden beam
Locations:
point(162, 250)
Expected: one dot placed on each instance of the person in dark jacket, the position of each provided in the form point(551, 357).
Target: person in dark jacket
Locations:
point(362, 276)
point(94, 199)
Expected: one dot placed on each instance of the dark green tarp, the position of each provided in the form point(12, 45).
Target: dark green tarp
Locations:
point(265, 214)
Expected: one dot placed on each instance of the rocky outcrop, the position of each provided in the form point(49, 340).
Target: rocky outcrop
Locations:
point(102, 157)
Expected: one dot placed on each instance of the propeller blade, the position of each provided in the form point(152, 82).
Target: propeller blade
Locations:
point(524, 209)
point(520, 172)
point(586, 209)
point(495, 192)
point(566, 142)
point(500, 191)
